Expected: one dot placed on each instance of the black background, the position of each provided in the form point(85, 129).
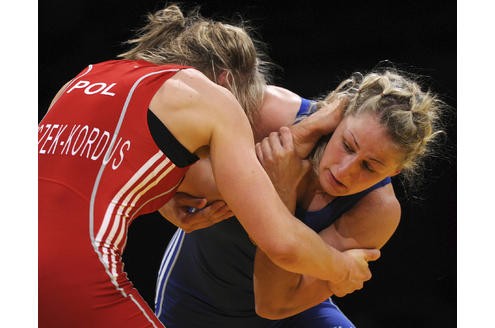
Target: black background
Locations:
point(316, 44)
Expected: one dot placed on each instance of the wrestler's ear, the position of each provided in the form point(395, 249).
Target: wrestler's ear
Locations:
point(222, 79)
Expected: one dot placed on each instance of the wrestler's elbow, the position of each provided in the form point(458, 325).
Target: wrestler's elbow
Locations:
point(269, 309)
point(282, 251)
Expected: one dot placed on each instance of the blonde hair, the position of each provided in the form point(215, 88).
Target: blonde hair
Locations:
point(211, 47)
point(410, 115)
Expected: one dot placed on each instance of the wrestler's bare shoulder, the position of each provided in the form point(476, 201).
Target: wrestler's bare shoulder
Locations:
point(190, 86)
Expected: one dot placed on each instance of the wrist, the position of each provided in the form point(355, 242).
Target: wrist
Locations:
point(289, 197)
point(342, 268)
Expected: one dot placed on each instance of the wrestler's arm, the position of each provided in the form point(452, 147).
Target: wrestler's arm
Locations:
point(245, 185)
point(198, 189)
point(279, 108)
point(209, 115)
point(197, 203)
point(370, 224)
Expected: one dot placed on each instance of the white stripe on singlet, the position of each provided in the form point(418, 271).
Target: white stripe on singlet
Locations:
point(119, 243)
point(167, 250)
point(134, 189)
point(97, 183)
point(166, 268)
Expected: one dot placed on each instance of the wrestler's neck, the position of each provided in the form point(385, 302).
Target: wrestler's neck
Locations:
point(310, 195)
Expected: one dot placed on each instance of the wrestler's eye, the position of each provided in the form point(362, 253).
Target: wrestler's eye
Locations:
point(367, 166)
point(347, 148)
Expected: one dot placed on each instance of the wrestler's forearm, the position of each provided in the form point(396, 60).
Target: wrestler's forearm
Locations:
point(280, 294)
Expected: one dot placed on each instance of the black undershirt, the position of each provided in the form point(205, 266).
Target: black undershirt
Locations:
point(167, 142)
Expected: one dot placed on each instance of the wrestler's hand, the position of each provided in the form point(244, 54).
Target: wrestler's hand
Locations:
point(282, 164)
point(192, 213)
point(322, 122)
point(359, 271)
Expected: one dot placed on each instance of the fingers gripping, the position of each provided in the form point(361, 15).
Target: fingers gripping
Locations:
point(217, 211)
point(286, 138)
point(185, 200)
point(359, 272)
point(213, 213)
point(371, 255)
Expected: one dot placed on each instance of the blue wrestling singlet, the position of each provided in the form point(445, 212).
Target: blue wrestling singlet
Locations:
point(206, 277)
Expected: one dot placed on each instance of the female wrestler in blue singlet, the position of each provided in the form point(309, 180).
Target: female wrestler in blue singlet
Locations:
point(206, 277)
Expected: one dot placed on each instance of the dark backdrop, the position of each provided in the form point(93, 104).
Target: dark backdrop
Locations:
point(316, 44)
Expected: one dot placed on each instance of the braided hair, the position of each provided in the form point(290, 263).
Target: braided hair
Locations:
point(409, 114)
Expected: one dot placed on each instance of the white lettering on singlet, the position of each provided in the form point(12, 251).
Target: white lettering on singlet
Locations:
point(82, 141)
point(94, 88)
